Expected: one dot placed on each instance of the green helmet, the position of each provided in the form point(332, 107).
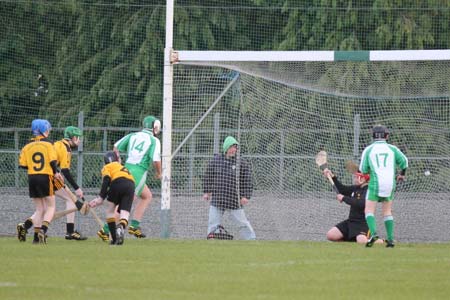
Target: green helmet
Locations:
point(72, 131)
point(150, 122)
point(228, 142)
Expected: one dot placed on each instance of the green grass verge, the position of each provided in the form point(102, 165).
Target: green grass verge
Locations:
point(175, 269)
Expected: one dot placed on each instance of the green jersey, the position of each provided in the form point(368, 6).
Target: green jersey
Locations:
point(380, 160)
point(142, 148)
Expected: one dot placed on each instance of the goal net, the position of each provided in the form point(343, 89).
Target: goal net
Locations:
point(283, 112)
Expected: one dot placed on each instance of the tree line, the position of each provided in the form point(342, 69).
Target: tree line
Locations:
point(106, 57)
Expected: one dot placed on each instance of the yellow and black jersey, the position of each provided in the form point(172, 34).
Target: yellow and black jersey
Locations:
point(37, 156)
point(64, 156)
point(115, 170)
point(63, 153)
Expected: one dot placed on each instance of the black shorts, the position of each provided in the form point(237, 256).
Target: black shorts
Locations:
point(40, 185)
point(121, 192)
point(351, 229)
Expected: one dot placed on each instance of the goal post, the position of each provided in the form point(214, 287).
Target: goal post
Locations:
point(167, 123)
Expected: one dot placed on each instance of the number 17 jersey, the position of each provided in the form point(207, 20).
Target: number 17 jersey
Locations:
point(381, 159)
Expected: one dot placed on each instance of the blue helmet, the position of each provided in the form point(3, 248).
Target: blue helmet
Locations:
point(40, 126)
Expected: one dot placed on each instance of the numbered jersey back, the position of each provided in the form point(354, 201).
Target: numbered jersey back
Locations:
point(381, 160)
point(115, 170)
point(139, 146)
point(36, 157)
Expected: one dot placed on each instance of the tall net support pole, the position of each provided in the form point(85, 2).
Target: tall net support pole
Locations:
point(167, 124)
point(80, 163)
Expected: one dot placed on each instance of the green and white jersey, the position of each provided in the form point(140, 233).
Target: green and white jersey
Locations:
point(142, 148)
point(380, 160)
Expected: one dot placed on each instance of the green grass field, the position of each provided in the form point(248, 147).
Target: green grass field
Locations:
point(176, 269)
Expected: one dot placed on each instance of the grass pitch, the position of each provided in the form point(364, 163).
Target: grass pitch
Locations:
point(179, 269)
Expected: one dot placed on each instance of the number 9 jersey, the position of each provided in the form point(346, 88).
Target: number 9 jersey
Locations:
point(37, 156)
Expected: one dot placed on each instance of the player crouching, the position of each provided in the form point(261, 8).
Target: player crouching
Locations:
point(118, 189)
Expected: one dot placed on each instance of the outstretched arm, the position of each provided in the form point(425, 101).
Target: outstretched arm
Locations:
point(342, 189)
point(69, 178)
point(105, 185)
point(352, 201)
point(345, 190)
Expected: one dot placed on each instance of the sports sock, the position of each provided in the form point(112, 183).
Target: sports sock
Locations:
point(124, 223)
point(371, 222)
point(70, 227)
point(106, 228)
point(36, 231)
point(28, 223)
point(135, 223)
point(112, 228)
point(44, 226)
point(389, 225)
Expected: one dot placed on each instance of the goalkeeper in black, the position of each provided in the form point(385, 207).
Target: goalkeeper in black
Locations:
point(353, 229)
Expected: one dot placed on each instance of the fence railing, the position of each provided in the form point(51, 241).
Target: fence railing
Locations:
point(87, 162)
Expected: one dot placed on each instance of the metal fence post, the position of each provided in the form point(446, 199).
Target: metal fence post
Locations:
point(216, 133)
point(282, 142)
point(356, 133)
point(80, 163)
point(191, 163)
point(16, 163)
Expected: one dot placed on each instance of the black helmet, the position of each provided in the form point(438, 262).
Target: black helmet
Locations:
point(110, 156)
point(380, 132)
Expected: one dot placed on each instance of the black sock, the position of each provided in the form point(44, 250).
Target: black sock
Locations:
point(112, 228)
point(44, 226)
point(36, 230)
point(70, 227)
point(28, 223)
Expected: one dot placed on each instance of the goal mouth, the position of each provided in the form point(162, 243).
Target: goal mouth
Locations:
point(284, 112)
